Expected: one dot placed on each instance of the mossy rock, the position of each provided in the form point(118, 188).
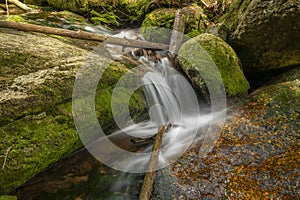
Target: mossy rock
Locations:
point(37, 74)
point(210, 48)
point(257, 155)
point(264, 35)
point(158, 25)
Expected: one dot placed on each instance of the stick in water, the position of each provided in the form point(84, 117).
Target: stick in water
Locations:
point(149, 177)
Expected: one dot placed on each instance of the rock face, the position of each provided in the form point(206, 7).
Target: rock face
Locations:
point(257, 155)
point(265, 35)
point(194, 62)
point(37, 74)
point(196, 23)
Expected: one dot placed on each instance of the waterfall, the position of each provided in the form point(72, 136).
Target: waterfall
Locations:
point(171, 102)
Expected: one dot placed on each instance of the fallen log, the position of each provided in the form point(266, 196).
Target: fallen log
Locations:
point(150, 175)
point(83, 35)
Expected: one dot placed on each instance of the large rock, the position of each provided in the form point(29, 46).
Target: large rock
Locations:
point(265, 34)
point(257, 155)
point(158, 25)
point(37, 74)
point(194, 56)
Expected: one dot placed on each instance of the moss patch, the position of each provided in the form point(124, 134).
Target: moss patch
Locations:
point(6, 197)
point(31, 145)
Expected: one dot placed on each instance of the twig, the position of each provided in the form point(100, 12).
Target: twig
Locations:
point(5, 157)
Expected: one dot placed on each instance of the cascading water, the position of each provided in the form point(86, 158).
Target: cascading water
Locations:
point(171, 100)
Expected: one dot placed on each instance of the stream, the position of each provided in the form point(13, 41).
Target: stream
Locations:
point(171, 102)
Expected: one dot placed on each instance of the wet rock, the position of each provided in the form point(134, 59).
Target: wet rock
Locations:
point(199, 56)
point(37, 74)
point(157, 25)
point(265, 35)
point(257, 155)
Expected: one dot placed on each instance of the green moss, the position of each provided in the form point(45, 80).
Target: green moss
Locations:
point(15, 18)
point(78, 6)
point(157, 25)
point(6, 197)
point(223, 56)
point(105, 18)
point(32, 144)
point(104, 91)
point(109, 12)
